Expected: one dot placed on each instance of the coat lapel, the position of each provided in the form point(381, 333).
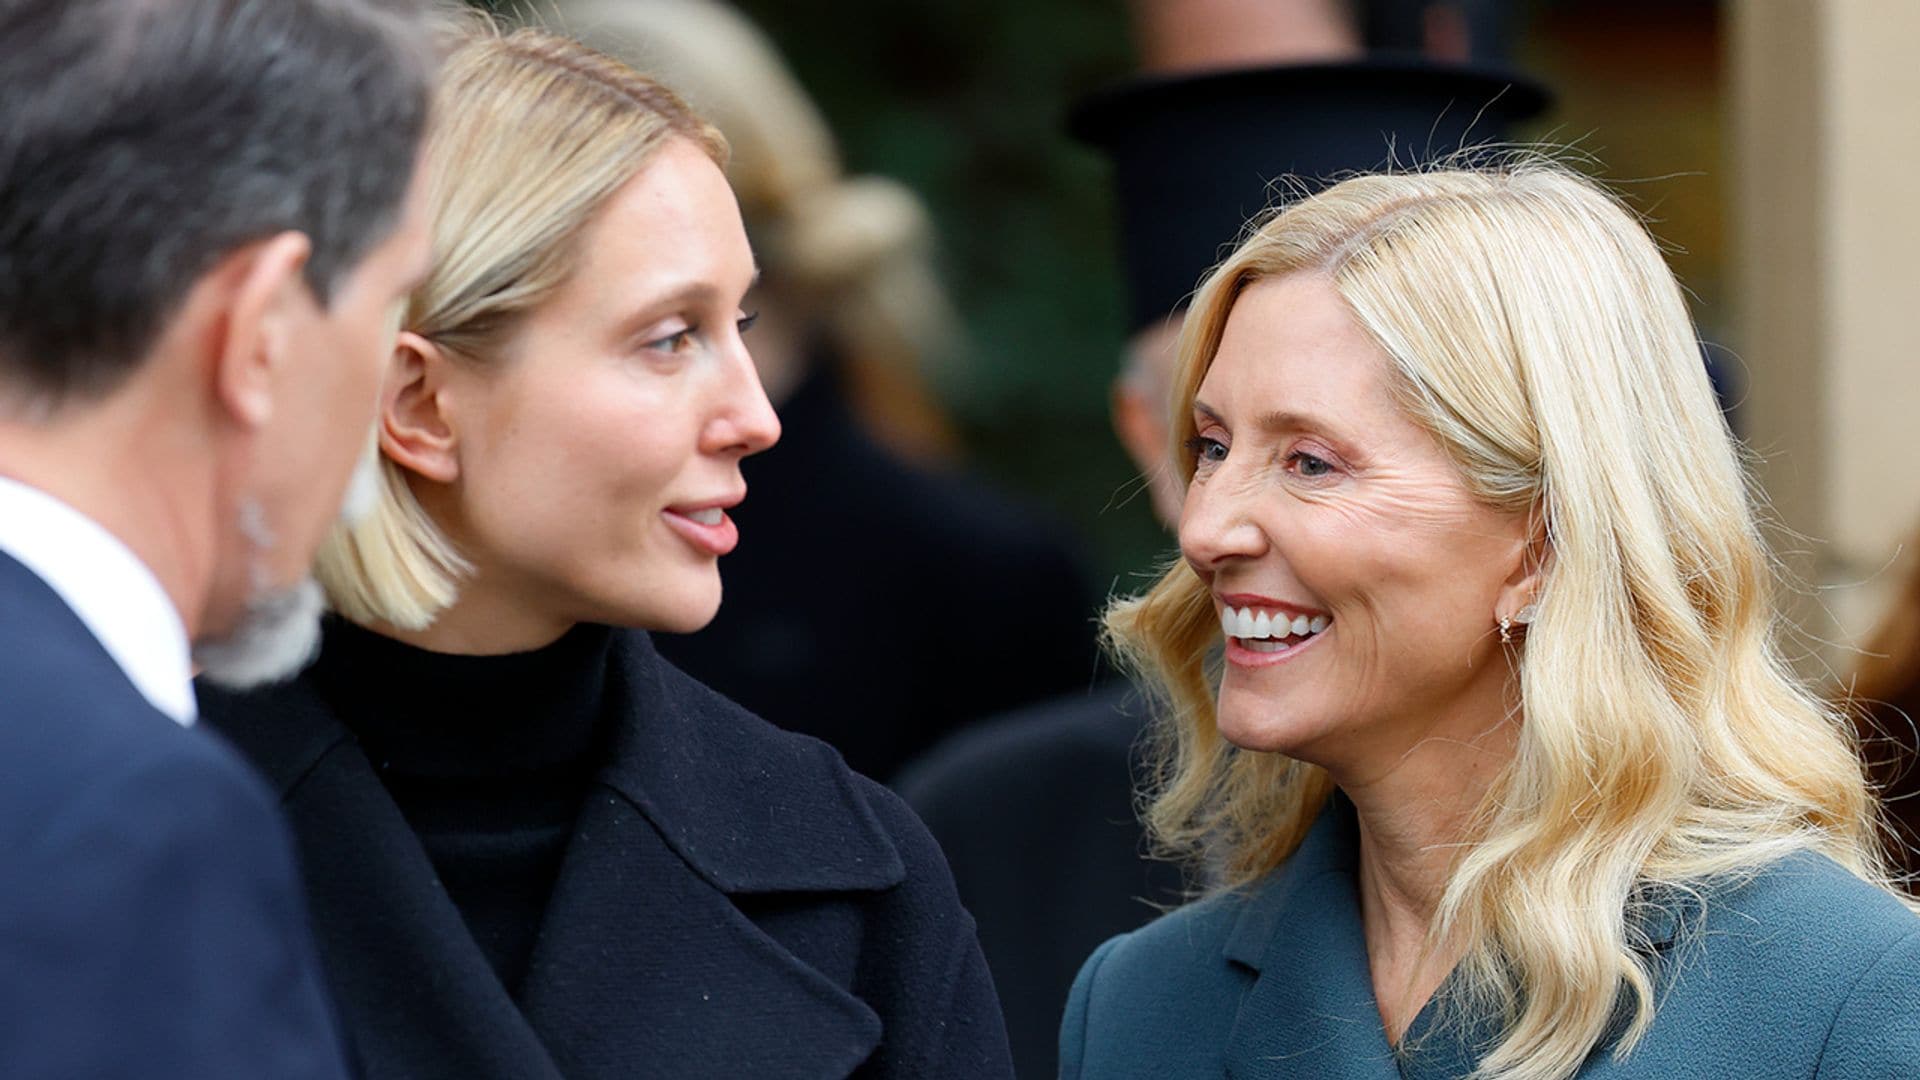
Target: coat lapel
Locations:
point(1311, 1012)
point(644, 963)
point(418, 995)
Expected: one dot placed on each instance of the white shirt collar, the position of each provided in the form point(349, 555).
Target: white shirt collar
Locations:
point(107, 585)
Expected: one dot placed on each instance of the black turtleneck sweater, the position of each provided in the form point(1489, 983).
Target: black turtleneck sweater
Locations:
point(487, 757)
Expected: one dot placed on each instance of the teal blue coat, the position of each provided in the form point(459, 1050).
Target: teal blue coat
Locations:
point(1801, 971)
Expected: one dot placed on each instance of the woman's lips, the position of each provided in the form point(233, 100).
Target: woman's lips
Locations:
point(708, 529)
point(1261, 631)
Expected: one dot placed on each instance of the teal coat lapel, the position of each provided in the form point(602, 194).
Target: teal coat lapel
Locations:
point(1311, 1012)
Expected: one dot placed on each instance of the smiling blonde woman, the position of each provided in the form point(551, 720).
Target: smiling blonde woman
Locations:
point(1477, 709)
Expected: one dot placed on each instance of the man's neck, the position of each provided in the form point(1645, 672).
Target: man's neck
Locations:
point(119, 463)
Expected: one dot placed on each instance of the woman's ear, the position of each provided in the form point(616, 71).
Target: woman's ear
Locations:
point(416, 431)
point(1520, 593)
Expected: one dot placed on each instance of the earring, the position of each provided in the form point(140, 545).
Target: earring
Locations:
point(1506, 630)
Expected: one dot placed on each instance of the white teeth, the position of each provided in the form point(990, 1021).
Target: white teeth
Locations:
point(1250, 625)
point(710, 516)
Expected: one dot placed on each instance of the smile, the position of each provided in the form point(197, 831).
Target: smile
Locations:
point(1256, 627)
point(1259, 635)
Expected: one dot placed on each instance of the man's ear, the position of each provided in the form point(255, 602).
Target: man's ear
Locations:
point(1140, 424)
point(265, 293)
point(1521, 591)
point(416, 430)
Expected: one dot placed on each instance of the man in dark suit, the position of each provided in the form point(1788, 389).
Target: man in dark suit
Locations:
point(208, 210)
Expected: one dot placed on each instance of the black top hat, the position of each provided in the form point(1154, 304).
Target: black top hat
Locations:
point(1198, 156)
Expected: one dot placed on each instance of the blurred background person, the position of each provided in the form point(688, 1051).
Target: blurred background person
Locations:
point(1477, 710)
point(533, 847)
point(208, 211)
point(1035, 810)
point(882, 599)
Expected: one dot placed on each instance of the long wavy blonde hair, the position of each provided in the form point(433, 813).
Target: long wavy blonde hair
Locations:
point(1533, 328)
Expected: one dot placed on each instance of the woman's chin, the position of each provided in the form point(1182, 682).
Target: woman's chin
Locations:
point(668, 610)
point(1261, 736)
point(1268, 727)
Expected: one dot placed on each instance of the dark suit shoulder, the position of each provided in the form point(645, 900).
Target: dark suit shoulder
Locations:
point(156, 886)
point(76, 739)
point(1081, 735)
point(188, 786)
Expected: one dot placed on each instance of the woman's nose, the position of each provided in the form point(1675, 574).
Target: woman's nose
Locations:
point(1217, 527)
point(745, 423)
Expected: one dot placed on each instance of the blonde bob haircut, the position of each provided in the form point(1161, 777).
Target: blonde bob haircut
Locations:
point(532, 134)
point(1532, 327)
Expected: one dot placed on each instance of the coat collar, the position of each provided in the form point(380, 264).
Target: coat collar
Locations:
point(411, 984)
point(642, 959)
point(1312, 1011)
point(750, 808)
point(701, 800)
point(695, 764)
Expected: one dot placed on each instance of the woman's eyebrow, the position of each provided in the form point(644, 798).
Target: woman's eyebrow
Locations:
point(691, 291)
point(1273, 420)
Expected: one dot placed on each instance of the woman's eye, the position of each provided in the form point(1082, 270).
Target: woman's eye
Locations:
point(1309, 466)
point(678, 341)
point(1207, 451)
point(745, 322)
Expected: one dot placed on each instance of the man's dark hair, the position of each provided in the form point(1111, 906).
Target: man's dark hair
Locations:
point(142, 141)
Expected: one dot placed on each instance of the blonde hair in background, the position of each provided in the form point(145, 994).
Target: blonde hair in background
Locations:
point(857, 252)
point(1533, 328)
point(532, 134)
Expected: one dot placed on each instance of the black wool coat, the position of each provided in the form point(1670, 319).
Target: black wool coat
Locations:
point(734, 902)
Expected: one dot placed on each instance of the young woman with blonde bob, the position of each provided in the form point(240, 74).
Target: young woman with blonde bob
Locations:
point(1479, 720)
point(533, 848)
